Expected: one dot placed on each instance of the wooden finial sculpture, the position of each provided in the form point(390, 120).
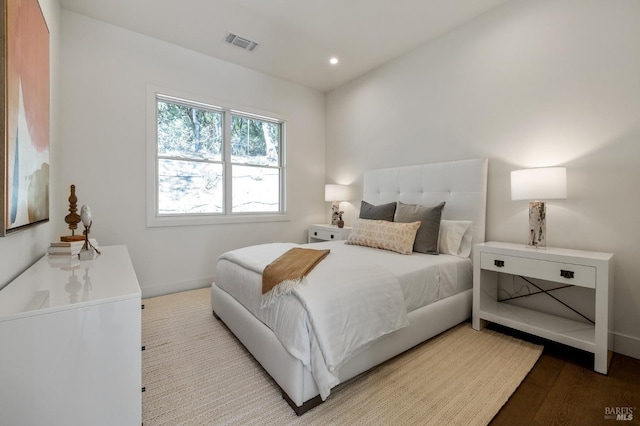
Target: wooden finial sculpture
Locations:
point(73, 218)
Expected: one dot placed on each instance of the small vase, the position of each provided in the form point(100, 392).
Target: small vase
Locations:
point(340, 223)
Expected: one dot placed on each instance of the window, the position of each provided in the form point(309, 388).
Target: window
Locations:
point(214, 164)
point(190, 168)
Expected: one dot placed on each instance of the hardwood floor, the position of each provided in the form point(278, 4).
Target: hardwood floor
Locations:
point(563, 389)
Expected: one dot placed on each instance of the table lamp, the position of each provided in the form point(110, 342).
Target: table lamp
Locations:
point(537, 185)
point(334, 194)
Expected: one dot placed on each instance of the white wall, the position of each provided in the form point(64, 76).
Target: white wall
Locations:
point(532, 83)
point(105, 73)
point(19, 251)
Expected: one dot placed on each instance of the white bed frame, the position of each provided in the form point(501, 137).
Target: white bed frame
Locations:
point(463, 185)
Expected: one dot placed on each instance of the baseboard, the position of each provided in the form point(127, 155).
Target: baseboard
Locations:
point(626, 345)
point(162, 289)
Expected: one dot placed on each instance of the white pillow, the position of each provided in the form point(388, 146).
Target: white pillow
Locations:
point(467, 243)
point(382, 234)
point(455, 237)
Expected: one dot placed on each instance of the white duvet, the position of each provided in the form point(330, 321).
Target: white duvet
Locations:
point(345, 304)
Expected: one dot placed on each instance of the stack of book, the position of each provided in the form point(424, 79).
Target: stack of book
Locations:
point(68, 248)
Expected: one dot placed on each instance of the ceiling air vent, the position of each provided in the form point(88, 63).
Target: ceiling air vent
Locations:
point(242, 42)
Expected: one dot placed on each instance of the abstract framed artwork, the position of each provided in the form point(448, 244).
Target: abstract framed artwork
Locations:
point(24, 81)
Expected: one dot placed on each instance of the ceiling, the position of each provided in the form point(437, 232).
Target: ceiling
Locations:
point(295, 38)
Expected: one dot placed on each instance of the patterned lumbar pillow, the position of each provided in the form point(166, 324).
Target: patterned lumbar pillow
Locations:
point(398, 237)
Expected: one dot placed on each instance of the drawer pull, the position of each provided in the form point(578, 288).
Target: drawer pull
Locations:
point(499, 263)
point(332, 236)
point(566, 274)
point(315, 233)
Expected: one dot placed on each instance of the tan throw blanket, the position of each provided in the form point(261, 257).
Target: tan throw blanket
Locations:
point(287, 272)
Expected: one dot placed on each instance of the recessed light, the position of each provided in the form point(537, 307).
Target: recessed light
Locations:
point(333, 61)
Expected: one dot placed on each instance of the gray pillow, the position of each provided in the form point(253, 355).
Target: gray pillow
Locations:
point(427, 236)
point(380, 212)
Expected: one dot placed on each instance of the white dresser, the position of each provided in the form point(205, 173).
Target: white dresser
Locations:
point(70, 343)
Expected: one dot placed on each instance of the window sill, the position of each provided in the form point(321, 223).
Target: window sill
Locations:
point(164, 221)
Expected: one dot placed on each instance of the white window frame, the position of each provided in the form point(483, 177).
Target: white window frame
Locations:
point(156, 220)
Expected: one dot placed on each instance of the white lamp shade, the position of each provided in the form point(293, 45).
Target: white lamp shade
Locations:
point(336, 192)
point(546, 183)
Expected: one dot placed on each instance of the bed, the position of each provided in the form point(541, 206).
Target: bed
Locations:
point(304, 373)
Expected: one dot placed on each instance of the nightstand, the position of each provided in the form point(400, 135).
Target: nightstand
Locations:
point(591, 270)
point(318, 233)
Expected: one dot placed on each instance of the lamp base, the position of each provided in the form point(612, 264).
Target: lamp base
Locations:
point(335, 212)
point(537, 225)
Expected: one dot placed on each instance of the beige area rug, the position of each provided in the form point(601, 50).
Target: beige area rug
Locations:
point(196, 372)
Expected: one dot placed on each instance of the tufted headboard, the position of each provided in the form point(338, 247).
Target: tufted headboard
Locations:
point(461, 184)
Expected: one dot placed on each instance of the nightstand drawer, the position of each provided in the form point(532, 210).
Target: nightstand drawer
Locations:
point(578, 275)
point(323, 234)
point(319, 233)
